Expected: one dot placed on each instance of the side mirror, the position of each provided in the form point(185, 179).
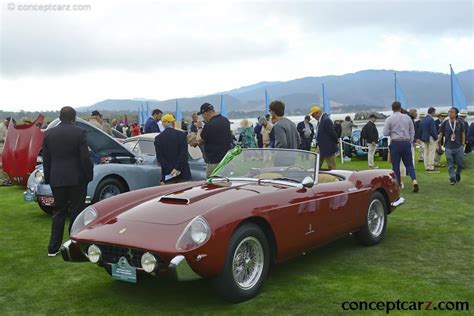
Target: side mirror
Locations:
point(308, 182)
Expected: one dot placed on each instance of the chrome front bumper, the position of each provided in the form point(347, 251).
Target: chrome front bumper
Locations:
point(33, 191)
point(65, 250)
point(178, 268)
point(30, 194)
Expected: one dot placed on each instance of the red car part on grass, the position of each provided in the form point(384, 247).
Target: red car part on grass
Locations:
point(21, 149)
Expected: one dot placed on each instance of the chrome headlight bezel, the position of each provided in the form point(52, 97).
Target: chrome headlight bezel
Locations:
point(148, 262)
point(39, 176)
point(87, 216)
point(195, 234)
point(94, 254)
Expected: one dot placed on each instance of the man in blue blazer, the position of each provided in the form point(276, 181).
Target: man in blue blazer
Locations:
point(325, 137)
point(429, 136)
point(172, 152)
point(154, 124)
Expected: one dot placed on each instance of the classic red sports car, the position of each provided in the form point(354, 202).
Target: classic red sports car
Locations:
point(260, 206)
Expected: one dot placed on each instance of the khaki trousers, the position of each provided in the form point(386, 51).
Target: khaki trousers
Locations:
point(331, 162)
point(371, 154)
point(429, 150)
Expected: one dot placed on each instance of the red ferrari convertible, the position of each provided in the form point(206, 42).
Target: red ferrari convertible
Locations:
point(260, 206)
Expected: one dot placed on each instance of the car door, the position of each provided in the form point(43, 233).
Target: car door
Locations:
point(294, 217)
point(335, 209)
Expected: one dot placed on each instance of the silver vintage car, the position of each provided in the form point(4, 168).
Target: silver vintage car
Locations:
point(119, 166)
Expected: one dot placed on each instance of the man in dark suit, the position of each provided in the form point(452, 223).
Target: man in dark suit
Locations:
point(68, 170)
point(306, 131)
point(429, 137)
point(171, 149)
point(325, 137)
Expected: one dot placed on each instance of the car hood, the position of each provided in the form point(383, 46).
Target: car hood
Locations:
point(99, 142)
point(21, 150)
point(183, 205)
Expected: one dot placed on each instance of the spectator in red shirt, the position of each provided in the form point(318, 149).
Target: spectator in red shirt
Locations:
point(135, 129)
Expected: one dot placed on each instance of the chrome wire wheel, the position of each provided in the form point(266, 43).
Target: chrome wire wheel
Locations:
point(108, 191)
point(248, 263)
point(376, 218)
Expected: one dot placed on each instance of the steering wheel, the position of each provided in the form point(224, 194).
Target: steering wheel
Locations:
point(295, 167)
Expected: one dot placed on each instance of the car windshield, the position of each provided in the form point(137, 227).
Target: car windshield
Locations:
point(269, 164)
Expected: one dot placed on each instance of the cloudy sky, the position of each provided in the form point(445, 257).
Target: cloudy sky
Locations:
point(172, 49)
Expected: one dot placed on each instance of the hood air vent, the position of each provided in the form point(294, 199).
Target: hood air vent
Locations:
point(173, 200)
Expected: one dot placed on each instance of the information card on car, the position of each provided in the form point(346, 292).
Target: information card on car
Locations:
point(123, 271)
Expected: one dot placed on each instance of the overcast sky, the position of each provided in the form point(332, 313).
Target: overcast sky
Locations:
point(173, 49)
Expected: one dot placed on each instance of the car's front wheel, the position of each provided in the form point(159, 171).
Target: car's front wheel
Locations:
point(375, 224)
point(246, 264)
point(108, 187)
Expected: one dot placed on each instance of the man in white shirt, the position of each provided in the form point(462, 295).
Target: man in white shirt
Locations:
point(401, 130)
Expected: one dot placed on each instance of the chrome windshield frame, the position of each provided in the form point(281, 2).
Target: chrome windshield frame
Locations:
point(288, 183)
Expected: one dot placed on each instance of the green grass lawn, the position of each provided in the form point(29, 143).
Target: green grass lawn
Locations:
point(427, 255)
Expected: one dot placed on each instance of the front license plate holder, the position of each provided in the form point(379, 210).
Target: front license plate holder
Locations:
point(123, 271)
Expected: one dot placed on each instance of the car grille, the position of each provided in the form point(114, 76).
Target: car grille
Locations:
point(112, 254)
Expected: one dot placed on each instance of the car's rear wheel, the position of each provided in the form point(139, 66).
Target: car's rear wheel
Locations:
point(47, 209)
point(375, 224)
point(246, 264)
point(108, 187)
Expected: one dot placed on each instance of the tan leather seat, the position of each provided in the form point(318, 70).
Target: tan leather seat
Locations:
point(326, 178)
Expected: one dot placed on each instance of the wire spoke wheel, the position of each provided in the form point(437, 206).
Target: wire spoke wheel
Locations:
point(248, 263)
point(108, 191)
point(375, 218)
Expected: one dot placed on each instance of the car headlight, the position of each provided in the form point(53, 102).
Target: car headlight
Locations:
point(195, 234)
point(94, 253)
point(84, 218)
point(39, 176)
point(149, 262)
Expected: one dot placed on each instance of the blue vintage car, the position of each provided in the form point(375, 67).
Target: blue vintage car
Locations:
point(119, 166)
point(382, 146)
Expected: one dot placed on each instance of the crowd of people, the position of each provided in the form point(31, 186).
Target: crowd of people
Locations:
point(450, 131)
point(68, 169)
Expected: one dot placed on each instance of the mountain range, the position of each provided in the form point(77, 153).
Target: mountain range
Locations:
point(367, 89)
